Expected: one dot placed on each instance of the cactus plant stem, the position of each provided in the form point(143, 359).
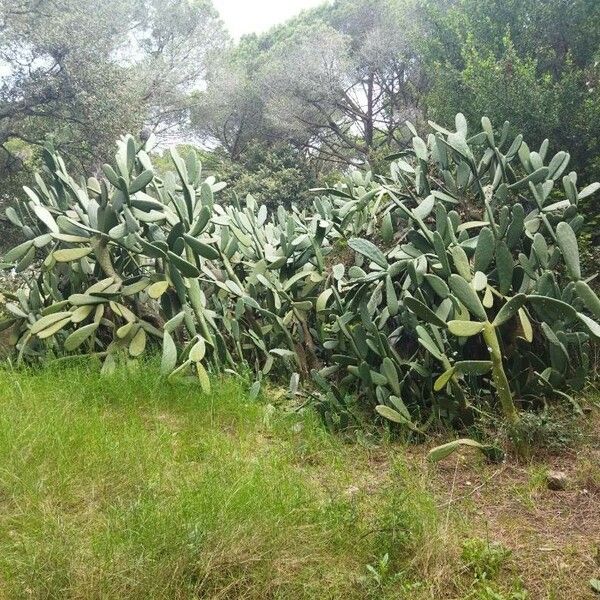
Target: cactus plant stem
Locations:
point(455, 385)
point(100, 246)
point(194, 293)
point(230, 270)
point(24, 343)
point(196, 302)
point(498, 374)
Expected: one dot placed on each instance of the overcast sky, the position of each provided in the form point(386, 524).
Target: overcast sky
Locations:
point(249, 16)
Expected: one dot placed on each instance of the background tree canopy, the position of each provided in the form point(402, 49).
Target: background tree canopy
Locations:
point(79, 73)
point(328, 90)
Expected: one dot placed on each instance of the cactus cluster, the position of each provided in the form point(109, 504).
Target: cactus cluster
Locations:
point(456, 278)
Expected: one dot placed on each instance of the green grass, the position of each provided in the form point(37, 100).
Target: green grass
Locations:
point(129, 487)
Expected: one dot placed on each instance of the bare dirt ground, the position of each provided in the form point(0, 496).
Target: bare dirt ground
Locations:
point(554, 536)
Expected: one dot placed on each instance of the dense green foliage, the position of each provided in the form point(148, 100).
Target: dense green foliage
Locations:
point(331, 87)
point(465, 227)
point(531, 62)
point(382, 291)
point(79, 73)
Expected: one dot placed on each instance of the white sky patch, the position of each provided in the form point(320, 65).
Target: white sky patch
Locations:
point(256, 16)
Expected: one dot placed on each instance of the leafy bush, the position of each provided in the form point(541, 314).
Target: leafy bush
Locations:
point(275, 176)
point(459, 277)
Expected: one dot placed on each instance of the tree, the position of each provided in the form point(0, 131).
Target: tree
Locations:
point(531, 62)
point(229, 112)
point(80, 72)
point(347, 79)
point(304, 78)
point(506, 87)
point(335, 83)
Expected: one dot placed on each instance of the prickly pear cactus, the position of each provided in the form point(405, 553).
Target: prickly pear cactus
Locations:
point(473, 287)
point(455, 279)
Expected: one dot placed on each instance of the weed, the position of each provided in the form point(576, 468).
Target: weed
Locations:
point(483, 558)
point(488, 592)
point(410, 519)
point(381, 573)
point(551, 430)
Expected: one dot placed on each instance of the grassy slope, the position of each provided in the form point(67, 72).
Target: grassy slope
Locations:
point(126, 487)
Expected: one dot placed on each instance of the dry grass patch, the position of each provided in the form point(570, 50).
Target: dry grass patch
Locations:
point(554, 536)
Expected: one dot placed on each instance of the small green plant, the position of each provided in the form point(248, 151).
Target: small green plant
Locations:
point(487, 592)
point(381, 578)
point(485, 561)
point(380, 573)
point(483, 558)
point(587, 474)
point(552, 430)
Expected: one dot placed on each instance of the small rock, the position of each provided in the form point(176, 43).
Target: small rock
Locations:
point(557, 480)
